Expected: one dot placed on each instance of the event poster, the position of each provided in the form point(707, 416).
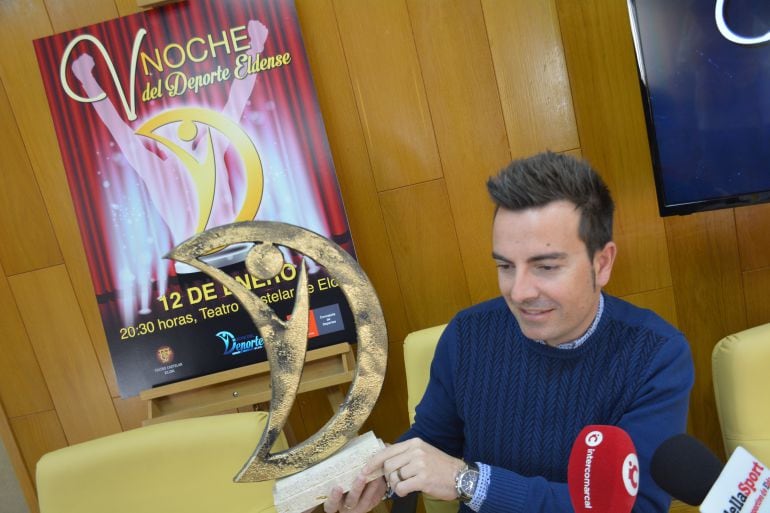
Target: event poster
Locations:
point(179, 119)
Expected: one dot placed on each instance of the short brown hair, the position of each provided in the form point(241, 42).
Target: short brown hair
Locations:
point(546, 177)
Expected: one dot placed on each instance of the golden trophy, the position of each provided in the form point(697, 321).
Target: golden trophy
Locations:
point(336, 453)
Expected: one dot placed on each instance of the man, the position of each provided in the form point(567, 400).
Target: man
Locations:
point(515, 379)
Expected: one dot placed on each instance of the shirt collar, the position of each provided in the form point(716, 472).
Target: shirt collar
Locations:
point(590, 331)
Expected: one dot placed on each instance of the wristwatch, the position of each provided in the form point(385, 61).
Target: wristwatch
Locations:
point(465, 482)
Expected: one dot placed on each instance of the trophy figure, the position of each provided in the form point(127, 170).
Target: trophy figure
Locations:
point(335, 454)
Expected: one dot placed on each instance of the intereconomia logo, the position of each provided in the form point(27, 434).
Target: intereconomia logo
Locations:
point(243, 344)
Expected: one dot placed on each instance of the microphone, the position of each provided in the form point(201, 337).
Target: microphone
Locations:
point(687, 470)
point(603, 471)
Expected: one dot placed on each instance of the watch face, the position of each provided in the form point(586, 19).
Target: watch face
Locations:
point(468, 481)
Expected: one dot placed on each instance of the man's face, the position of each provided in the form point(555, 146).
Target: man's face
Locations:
point(544, 272)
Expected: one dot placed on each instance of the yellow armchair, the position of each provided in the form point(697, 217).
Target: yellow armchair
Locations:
point(178, 466)
point(419, 347)
point(741, 371)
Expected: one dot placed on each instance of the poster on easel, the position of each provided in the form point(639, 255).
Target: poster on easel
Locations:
point(176, 120)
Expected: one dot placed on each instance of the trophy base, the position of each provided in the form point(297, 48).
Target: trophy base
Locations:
point(301, 491)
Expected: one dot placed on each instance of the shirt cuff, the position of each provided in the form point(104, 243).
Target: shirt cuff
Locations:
point(481, 487)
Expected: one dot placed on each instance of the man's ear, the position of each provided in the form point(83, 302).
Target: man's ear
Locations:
point(603, 261)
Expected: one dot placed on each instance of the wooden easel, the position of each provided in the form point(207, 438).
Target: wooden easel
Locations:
point(325, 368)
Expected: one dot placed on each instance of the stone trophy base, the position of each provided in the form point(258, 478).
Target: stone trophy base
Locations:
point(304, 490)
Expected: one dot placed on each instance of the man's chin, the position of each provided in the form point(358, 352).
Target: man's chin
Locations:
point(533, 334)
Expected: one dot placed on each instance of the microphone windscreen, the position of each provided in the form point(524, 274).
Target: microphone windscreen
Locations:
point(603, 471)
point(685, 468)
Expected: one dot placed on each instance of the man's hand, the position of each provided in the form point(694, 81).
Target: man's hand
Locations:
point(415, 465)
point(361, 498)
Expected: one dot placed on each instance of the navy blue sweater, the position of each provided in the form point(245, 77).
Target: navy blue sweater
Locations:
point(497, 397)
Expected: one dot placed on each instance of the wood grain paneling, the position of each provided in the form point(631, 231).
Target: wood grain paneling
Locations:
point(387, 82)
point(126, 7)
point(459, 76)
point(359, 192)
point(710, 303)
point(532, 76)
point(756, 285)
point(753, 227)
point(36, 435)
point(57, 333)
point(389, 419)
point(25, 220)
point(613, 136)
point(22, 21)
point(354, 172)
point(131, 411)
point(660, 301)
point(66, 16)
point(19, 370)
point(426, 252)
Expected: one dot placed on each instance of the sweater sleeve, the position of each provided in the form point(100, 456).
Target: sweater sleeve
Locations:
point(436, 420)
point(658, 411)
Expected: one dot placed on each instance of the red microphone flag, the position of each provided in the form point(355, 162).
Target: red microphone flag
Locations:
point(603, 472)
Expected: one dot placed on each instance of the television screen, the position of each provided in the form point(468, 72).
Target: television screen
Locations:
point(705, 74)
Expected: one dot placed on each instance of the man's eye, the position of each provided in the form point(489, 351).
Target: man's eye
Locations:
point(548, 267)
point(503, 266)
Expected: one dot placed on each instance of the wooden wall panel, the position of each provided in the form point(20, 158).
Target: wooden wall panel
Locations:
point(710, 302)
point(389, 419)
point(344, 127)
point(459, 76)
point(660, 301)
point(36, 435)
point(66, 16)
point(131, 412)
point(613, 136)
point(351, 158)
point(532, 76)
point(24, 218)
point(753, 227)
point(19, 369)
point(756, 285)
point(22, 21)
point(427, 255)
point(387, 82)
point(126, 7)
point(57, 333)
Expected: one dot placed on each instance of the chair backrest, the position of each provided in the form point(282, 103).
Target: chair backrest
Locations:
point(419, 347)
point(177, 466)
point(741, 373)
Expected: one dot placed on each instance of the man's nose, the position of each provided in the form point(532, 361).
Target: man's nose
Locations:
point(524, 287)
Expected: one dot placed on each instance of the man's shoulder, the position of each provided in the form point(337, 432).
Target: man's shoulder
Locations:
point(633, 316)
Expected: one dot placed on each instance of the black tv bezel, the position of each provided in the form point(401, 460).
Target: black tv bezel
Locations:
point(665, 208)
